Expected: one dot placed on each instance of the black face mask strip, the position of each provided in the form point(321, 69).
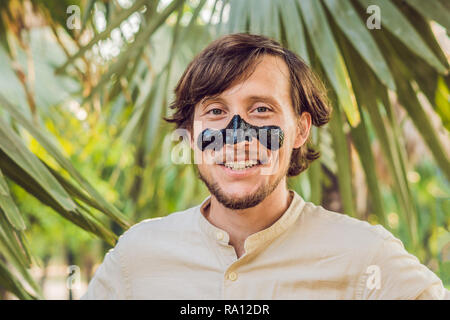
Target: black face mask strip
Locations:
point(239, 130)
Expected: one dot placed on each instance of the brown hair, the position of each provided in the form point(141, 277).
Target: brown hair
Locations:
point(233, 58)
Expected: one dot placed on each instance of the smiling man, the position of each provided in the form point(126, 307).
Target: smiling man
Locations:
point(248, 105)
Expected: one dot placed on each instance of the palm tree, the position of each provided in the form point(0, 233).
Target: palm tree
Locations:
point(374, 74)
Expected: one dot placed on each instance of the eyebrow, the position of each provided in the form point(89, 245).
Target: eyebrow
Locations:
point(267, 99)
point(211, 98)
point(262, 98)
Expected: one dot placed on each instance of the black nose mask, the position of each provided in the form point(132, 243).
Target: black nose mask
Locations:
point(237, 131)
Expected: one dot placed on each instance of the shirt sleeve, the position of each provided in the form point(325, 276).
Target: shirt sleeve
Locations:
point(109, 281)
point(396, 274)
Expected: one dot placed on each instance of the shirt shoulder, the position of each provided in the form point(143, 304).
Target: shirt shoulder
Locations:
point(377, 253)
point(343, 230)
point(152, 230)
point(153, 235)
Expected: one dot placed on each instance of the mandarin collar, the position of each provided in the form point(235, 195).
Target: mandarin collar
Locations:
point(260, 238)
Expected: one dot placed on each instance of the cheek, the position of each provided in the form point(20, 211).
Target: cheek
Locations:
point(288, 144)
point(195, 135)
point(284, 157)
point(202, 158)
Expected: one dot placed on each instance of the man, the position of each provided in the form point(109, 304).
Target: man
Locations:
point(253, 238)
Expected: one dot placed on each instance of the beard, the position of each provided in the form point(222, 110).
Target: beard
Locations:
point(239, 203)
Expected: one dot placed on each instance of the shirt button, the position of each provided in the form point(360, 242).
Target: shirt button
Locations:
point(232, 276)
point(219, 235)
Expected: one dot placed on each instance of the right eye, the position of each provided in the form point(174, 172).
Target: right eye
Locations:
point(215, 111)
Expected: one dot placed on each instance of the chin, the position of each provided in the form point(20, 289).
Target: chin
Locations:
point(239, 189)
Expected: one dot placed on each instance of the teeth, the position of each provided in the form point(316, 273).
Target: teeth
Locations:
point(240, 165)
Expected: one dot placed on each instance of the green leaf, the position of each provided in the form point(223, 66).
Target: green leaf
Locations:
point(442, 102)
point(410, 102)
point(107, 208)
point(344, 172)
point(359, 133)
point(315, 172)
point(9, 207)
point(13, 146)
point(325, 47)
point(73, 190)
point(256, 17)
point(388, 145)
point(222, 26)
point(10, 283)
point(293, 28)
point(394, 21)
point(11, 247)
point(269, 11)
point(87, 14)
point(363, 78)
point(423, 27)
point(27, 182)
point(424, 75)
point(103, 35)
point(144, 105)
point(14, 250)
point(363, 147)
point(238, 16)
point(133, 52)
point(432, 10)
point(357, 33)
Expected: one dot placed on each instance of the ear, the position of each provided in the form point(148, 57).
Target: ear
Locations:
point(302, 130)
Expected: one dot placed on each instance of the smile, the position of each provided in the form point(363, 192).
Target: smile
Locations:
point(241, 165)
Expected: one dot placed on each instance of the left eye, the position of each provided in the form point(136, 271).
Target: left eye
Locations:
point(262, 109)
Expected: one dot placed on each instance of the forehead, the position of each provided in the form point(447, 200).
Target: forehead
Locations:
point(270, 77)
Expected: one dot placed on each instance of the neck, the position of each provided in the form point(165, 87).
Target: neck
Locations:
point(240, 224)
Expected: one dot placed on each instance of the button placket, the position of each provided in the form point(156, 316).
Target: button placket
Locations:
point(227, 253)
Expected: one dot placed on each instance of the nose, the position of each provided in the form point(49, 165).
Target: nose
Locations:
point(238, 130)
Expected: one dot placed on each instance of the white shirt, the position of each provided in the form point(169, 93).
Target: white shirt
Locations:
point(308, 253)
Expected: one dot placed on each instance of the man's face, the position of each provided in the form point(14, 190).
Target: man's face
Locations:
point(263, 99)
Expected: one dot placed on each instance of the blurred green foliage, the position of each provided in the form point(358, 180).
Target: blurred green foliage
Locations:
point(88, 105)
